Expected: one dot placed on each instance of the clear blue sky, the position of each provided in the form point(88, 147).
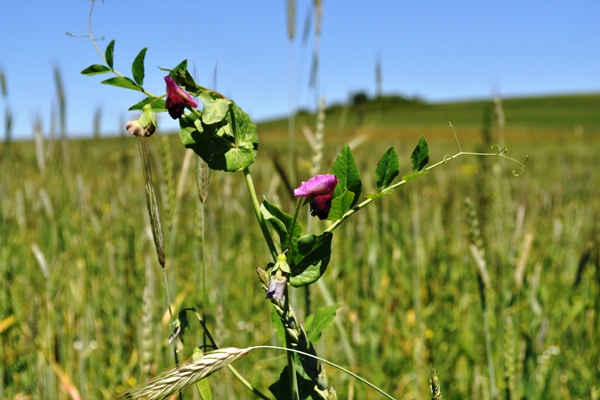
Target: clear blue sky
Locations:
point(438, 50)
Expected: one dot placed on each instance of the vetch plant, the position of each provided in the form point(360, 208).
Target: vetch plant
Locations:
point(224, 136)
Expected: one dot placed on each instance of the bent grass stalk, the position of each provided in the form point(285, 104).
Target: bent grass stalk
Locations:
point(180, 377)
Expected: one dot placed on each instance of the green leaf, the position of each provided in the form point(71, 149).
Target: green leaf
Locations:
point(309, 258)
point(322, 319)
point(183, 78)
point(137, 68)
point(280, 221)
point(344, 168)
point(387, 169)
point(96, 69)
point(281, 389)
point(420, 155)
point(122, 81)
point(204, 389)
point(384, 192)
point(410, 177)
point(215, 143)
point(215, 109)
point(339, 205)
point(158, 105)
point(108, 54)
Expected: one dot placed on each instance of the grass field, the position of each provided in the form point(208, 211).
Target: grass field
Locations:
point(82, 304)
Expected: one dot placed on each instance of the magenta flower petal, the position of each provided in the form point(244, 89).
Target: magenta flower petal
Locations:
point(177, 99)
point(319, 190)
point(316, 186)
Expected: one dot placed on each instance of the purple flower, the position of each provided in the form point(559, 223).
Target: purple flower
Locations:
point(277, 285)
point(177, 99)
point(319, 191)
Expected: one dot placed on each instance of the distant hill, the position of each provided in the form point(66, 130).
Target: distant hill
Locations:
point(525, 117)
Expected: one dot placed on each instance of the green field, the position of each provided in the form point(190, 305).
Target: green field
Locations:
point(82, 297)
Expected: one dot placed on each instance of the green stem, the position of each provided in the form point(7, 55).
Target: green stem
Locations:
point(258, 214)
point(291, 360)
point(147, 93)
point(291, 229)
point(499, 153)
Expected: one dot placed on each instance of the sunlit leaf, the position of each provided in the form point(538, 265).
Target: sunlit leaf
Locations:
point(108, 53)
point(96, 69)
point(217, 147)
point(322, 319)
point(137, 68)
point(344, 168)
point(122, 81)
point(309, 258)
point(387, 169)
point(158, 105)
point(214, 109)
point(420, 155)
point(340, 205)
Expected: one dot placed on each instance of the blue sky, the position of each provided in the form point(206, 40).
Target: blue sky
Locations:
point(437, 50)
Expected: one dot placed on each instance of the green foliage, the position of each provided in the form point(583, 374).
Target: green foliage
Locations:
point(97, 255)
point(158, 105)
point(182, 76)
point(344, 168)
point(229, 145)
point(309, 257)
point(215, 108)
point(137, 68)
point(281, 222)
point(387, 169)
point(109, 54)
point(122, 82)
point(96, 69)
point(420, 155)
point(315, 324)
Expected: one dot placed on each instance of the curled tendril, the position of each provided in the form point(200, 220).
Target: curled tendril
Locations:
point(521, 166)
point(497, 151)
point(501, 150)
point(98, 39)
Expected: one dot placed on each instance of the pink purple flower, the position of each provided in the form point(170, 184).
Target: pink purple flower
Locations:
point(319, 191)
point(177, 99)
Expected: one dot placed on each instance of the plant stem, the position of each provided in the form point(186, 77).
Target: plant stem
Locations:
point(499, 153)
point(258, 214)
point(291, 360)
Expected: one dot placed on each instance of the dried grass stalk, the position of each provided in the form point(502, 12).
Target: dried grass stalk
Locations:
point(180, 377)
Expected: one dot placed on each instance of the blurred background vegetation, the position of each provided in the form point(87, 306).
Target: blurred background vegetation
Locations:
point(82, 305)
